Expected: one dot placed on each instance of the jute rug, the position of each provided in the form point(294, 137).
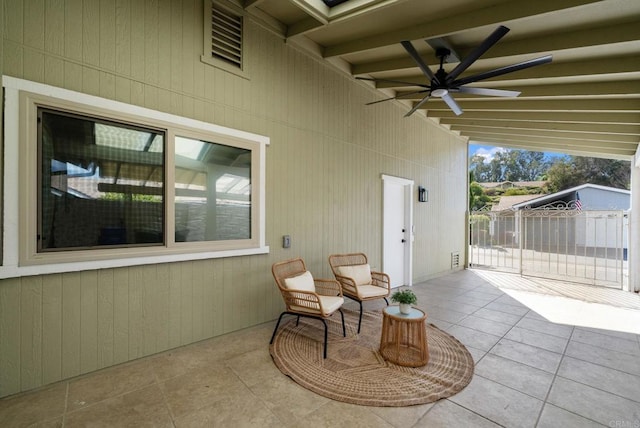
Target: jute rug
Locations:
point(355, 372)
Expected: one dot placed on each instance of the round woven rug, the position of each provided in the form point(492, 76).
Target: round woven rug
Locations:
point(355, 372)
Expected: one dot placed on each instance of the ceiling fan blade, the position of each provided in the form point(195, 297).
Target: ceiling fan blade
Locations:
point(486, 91)
point(477, 52)
point(416, 57)
point(503, 70)
point(453, 105)
point(417, 106)
point(394, 81)
point(398, 97)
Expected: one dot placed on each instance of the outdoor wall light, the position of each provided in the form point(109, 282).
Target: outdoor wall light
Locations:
point(422, 194)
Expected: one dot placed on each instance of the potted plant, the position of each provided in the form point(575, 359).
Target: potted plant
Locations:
point(405, 298)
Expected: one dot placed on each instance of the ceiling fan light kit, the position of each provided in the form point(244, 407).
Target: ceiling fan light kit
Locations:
point(439, 92)
point(443, 84)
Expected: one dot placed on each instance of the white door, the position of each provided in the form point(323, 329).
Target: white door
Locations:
point(397, 225)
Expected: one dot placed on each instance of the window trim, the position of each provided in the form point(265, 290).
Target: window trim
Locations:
point(20, 168)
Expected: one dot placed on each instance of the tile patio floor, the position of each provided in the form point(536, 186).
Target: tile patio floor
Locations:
point(529, 372)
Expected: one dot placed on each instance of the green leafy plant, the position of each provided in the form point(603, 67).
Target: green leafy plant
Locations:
point(404, 296)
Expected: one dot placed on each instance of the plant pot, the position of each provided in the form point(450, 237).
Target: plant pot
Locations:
point(405, 308)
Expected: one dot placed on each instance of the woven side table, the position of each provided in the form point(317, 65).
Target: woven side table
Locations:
point(404, 338)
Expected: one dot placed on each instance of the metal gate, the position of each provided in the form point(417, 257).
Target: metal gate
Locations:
point(558, 241)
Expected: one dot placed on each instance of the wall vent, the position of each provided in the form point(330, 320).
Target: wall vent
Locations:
point(226, 36)
point(455, 260)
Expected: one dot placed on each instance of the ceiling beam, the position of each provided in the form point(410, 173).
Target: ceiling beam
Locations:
point(462, 20)
point(543, 44)
point(544, 116)
point(627, 88)
point(559, 146)
point(563, 149)
point(598, 128)
point(513, 104)
point(551, 134)
point(604, 36)
point(551, 140)
point(573, 69)
point(248, 4)
point(317, 10)
point(303, 26)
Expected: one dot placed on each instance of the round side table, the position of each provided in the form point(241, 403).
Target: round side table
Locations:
point(404, 337)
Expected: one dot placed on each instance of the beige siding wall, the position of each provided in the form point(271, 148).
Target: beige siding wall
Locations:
point(324, 188)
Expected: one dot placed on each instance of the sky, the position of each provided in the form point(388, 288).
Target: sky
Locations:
point(488, 152)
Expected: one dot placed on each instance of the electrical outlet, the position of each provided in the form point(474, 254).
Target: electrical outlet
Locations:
point(286, 241)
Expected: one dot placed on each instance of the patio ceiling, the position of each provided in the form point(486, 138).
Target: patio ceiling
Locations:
point(586, 102)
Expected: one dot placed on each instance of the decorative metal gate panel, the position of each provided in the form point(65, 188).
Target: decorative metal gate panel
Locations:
point(558, 241)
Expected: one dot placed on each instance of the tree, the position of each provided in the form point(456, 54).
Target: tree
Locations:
point(571, 171)
point(515, 191)
point(479, 168)
point(606, 172)
point(511, 165)
point(495, 169)
point(562, 175)
point(528, 166)
point(477, 198)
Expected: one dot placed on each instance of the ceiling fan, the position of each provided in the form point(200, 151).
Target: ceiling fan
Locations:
point(443, 84)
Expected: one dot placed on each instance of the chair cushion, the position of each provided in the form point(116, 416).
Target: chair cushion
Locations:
point(302, 282)
point(361, 274)
point(367, 291)
point(330, 304)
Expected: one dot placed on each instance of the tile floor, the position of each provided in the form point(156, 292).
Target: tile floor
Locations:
point(529, 372)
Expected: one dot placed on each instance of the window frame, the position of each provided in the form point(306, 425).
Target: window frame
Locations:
point(170, 195)
point(40, 110)
point(20, 256)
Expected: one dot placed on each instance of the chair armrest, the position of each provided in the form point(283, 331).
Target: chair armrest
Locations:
point(328, 287)
point(381, 279)
point(348, 285)
point(306, 299)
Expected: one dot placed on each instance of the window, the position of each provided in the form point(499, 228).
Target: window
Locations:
point(96, 183)
point(100, 183)
point(224, 32)
point(213, 191)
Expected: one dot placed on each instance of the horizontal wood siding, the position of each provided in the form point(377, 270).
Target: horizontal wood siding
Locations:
point(323, 180)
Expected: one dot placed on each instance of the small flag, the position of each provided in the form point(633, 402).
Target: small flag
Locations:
point(578, 202)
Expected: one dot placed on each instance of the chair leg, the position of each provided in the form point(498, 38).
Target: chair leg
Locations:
point(276, 329)
point(325, 338)
point(298, 320)
point(360, 319)
point(344, 331)
point(385, 299)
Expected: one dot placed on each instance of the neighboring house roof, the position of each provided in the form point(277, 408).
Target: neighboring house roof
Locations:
point(510, 184)
point(567, 193)
point(507, 202)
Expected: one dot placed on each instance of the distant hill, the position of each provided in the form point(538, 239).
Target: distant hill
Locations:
point(504, 185)
point(502, 195)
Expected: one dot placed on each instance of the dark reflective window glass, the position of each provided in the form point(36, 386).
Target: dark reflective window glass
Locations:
point(101, 183)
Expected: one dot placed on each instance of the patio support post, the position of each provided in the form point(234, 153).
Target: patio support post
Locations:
point(521, 235)
point(633, 253)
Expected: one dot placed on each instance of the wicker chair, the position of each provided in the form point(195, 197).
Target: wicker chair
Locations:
point(305, 296)
point(358, 282)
